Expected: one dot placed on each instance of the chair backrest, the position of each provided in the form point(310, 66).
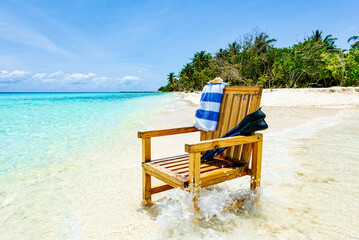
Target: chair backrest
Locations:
point(237, 102)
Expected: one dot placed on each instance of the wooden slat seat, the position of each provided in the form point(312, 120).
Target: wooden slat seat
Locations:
point(175, 170)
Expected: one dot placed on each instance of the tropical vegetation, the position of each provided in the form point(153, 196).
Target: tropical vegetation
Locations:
point(254, 60)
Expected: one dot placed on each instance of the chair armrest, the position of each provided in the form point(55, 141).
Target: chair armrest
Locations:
point(222, 142)
point(166, 132)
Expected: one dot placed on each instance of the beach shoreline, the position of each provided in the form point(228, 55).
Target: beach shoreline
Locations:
point(299, 97)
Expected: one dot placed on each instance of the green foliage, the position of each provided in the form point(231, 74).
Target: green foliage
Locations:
point(253, 60)
point(356, 41)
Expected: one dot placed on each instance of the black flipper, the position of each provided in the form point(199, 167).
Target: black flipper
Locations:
point(247, 130)
point(252, 127)
point(256, 115)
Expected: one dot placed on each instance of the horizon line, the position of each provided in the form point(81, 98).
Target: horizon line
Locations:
point(90, 92)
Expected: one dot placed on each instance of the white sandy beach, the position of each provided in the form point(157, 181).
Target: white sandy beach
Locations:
point(302, 97)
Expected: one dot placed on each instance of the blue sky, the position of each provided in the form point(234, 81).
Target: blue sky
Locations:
point(81, 45)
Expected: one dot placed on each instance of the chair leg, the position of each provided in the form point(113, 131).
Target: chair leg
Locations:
point(195, 193)
point(146, 178)
point(194, 177)
point(146, 188)
point(256, 165)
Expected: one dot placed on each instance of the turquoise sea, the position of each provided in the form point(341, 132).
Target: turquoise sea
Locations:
point(38, 129)
point(59, 151)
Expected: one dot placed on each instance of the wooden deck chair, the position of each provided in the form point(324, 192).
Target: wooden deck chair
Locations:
point(243, 157)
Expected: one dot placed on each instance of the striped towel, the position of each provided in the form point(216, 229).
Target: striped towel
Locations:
point(208, 110)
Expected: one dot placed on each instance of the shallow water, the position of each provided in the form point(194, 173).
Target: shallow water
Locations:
point(40, 128)
point(56, 147)
point(310, 182)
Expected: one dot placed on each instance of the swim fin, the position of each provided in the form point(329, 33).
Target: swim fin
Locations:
point(254, 116)
point(251, 123)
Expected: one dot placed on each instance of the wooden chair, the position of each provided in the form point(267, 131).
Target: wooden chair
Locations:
point(242, 157)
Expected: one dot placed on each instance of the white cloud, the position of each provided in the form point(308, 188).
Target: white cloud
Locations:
point(60, 78)
point(130, 78)
point(78, 78)
point(39, 75)
point(67, 78)
point(101, 80)
point(56, 74)
point(52, 77)
point(12, 77)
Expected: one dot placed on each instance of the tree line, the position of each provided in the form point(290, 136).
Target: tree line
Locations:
point(254, 60)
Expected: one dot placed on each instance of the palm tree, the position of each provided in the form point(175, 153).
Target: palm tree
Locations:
point(186, 77)
point(262, 43)
point(234, 48)
point(221, 54)
point(187, 71)
point(316, 36)
point(328, 41)
point(171, 77)
point(355, 44)
point(200, 61)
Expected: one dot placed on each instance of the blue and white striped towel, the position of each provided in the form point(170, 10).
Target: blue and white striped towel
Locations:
point(208, 110)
